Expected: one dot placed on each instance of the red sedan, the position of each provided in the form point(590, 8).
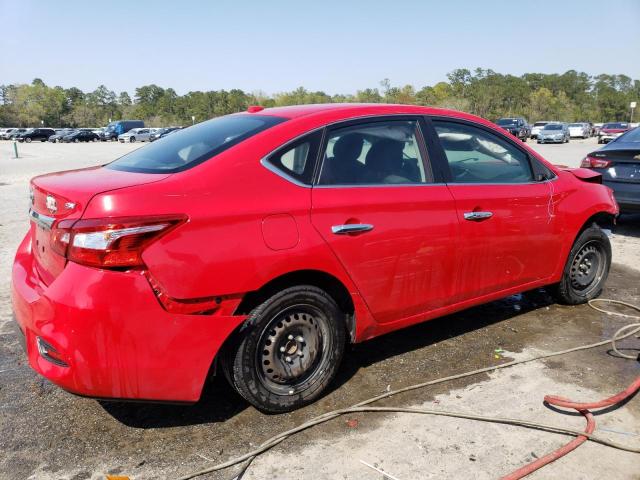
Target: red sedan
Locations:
point(261, 243)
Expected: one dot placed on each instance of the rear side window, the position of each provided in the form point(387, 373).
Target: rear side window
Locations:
point(296, 160)
point(476, 155)
point(191, 146)
point(375, 153)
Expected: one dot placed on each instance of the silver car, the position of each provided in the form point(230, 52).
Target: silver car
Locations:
point(136, 135)
point(535, 129)
point(581, 130)
point(554, 133)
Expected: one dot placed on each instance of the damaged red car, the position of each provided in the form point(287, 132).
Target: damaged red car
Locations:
point(260, 244)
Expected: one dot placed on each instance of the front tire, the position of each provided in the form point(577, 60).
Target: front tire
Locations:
point(288, 350)
point(132, 139)
point(587, 268)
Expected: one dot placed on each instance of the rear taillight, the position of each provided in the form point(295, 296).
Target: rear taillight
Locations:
point(593, 162)
point(110, 242)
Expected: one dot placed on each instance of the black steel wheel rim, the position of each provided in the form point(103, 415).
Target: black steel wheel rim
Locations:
point(587, 268)
point(291, 351)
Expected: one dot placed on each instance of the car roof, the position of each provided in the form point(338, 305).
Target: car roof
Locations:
point(343, 111)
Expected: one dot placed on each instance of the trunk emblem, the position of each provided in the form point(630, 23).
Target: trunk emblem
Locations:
point(52, 205)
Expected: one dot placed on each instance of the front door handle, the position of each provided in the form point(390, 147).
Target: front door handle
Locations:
point(476, 216)
point(351, 228)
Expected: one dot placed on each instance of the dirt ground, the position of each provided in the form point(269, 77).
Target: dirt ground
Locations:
point(46, 433)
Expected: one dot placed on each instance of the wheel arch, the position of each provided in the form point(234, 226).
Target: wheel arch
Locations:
point(323, 280)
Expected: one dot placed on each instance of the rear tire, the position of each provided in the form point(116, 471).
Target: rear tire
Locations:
point(27, 140)
point(587, 268)
point(288, 350)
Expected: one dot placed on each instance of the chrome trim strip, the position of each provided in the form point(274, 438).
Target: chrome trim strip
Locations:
point(281, 174)
point(265, 163)
point(42, 220)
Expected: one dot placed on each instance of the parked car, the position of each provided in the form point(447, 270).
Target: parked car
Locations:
point(162, 132)
point(119, 127)
point(537, 126)
point(611, 131)
point(266, 241)
point(60, 133)
point(518, 127)
point(554, 133)
point(7, 133)
point(581, 130)
point(619, 164)
point(135, 135)
point(36, 134)
point(14, 133)
point(81, 136)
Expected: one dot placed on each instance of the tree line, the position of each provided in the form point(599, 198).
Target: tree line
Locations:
point(571, 96)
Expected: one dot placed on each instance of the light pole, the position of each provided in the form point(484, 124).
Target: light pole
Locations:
point(42, 123)
point(633, 107)
point(193, 119)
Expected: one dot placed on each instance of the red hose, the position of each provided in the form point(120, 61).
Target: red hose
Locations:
point(583, 408)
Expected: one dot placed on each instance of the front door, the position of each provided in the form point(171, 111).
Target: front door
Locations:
point(509, 234)
point(392, 228)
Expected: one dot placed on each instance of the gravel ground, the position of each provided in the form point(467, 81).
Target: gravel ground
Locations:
point(46, 433)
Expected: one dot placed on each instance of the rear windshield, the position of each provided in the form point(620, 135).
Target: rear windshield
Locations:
point(575, 125)
point(616, 125)
point(553, 127)
point(507, 121)
point(190, 146)
point(540, 124)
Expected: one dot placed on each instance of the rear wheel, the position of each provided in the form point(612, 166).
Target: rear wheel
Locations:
point(27, 140)
point(586, 269)
point(288, 350)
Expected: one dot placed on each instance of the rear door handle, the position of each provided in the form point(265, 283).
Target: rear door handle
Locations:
point(475, 216)
point(351, 228)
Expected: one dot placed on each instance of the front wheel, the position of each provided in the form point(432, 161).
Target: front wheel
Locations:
point(132, 139)
point(288, 351)
point(586, 269)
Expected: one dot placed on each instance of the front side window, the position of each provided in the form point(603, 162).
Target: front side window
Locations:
point(191, 146)
point(478, 156)
point(376, 153)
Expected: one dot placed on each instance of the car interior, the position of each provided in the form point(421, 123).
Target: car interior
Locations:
point(379, 154)
point(476, 156)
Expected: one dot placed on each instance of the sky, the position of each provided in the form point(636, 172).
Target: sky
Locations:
point(333, 46)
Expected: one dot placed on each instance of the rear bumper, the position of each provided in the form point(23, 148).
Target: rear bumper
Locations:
point(627, 195)
point(116, 339)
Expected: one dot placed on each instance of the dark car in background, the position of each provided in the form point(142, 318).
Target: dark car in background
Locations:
point(119, 127)
point(81, 136)
point(36, 134)
point(619, 164)
point(518, 127)
point(611, 131)
point(162, 132)
point(60, 133)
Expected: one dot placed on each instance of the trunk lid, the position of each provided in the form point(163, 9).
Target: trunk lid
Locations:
point(64, 196)
point(624, 167)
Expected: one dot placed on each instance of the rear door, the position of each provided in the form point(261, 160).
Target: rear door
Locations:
point(509, 235)
point(393, 228)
